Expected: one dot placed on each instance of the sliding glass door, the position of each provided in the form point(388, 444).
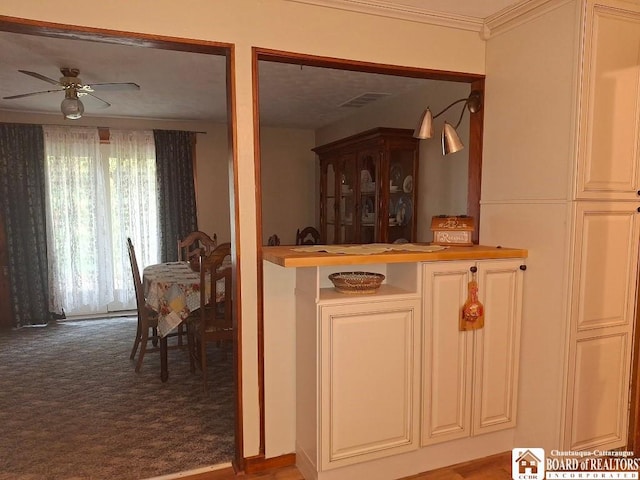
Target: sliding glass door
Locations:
point(96, 198)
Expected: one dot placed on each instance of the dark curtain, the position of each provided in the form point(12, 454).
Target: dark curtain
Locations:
point(176, 190)
point(22, 202)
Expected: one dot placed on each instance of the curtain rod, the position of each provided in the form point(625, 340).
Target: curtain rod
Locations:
point(107, 128)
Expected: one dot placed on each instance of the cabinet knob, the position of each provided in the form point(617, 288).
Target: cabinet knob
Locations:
point(523, 267)
point(638, 192)
point(473, 269)
point(638, 209)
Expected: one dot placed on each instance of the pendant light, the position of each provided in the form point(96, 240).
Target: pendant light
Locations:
point(451, 142)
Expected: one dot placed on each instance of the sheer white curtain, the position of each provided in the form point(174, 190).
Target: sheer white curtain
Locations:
point(134, 213)
point(94, 203)
point(78, 238)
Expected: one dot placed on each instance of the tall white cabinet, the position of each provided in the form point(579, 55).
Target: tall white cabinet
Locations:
point(567, 187)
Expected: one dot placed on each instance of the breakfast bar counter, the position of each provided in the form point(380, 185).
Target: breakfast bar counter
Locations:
point(305, 256)
point(389, 381)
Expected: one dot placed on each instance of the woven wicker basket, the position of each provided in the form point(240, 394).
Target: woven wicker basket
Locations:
point(358, 283)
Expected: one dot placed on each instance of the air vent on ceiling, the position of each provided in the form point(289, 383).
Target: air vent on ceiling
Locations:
point(364, 99)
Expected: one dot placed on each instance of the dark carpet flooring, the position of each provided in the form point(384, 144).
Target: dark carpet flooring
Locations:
point(72, 406)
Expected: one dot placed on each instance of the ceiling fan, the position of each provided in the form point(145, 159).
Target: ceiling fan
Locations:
point(71, 107)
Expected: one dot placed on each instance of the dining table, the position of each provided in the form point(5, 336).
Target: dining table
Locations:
point(173, 290)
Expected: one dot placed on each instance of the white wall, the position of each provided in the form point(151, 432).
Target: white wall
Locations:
point(274, 24)
point(212, 182)
point(288, 182)
point(442, 182)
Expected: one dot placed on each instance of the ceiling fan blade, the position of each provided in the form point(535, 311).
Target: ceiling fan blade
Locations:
point(32, 93)
point(113, 86)
point(103, 104)
point(41, 77)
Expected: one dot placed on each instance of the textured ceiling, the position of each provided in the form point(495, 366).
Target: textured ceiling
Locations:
point(311, 97)
point(190, 86)
point(173, 85)
point(178, 85)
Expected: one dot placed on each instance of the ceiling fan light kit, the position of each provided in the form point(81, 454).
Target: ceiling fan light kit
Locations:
point(451, 142)
point(71, 107)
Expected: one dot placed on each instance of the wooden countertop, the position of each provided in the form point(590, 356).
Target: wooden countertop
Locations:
point(286, 256)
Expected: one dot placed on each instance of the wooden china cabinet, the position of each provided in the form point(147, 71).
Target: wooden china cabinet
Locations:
point(368, 185)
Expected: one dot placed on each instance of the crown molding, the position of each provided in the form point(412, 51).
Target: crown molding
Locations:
point(518, 14)
point(500, 22)
point(403, 12)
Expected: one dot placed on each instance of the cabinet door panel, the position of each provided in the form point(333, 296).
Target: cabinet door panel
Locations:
point(606, 265)
point(611, 113)
point(497, 346)
point(368, 213)
point(602, 323)
point(447, 355)
point(600, 391)
point(348, 212)
point(368, 381)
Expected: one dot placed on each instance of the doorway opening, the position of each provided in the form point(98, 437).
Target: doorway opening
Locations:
point(151, 43)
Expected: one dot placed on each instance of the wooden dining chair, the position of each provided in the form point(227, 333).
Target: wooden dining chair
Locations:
point(189, 249)
point(214, 323)
point(307, 236)
point(197, 242)
point(147, 329)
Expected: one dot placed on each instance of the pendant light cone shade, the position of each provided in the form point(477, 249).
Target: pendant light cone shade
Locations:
point(451, 142)
point(71, 107)
point(425, 126)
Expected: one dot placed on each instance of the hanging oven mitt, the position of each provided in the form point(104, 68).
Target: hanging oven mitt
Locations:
point(472, 317)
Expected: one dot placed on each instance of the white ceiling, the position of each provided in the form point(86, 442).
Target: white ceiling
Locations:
point(190, 86)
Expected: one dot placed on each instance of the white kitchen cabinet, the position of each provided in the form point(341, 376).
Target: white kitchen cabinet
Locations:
point(369, 383)
point(610, 113)
point(606, 234)
point(565, 186)
point(470, 378)
point(360, 361)
point(358, 368)
point(602, 322)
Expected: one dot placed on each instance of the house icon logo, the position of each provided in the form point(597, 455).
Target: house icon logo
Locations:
point(527, 463)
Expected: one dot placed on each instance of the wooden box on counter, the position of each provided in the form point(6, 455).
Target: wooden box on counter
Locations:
point(452, 230)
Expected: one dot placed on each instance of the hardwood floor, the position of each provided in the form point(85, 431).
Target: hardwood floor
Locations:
point(495, 467)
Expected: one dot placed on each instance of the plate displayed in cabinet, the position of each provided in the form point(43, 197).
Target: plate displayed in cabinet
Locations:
point(404, 210)
point(407, 185)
